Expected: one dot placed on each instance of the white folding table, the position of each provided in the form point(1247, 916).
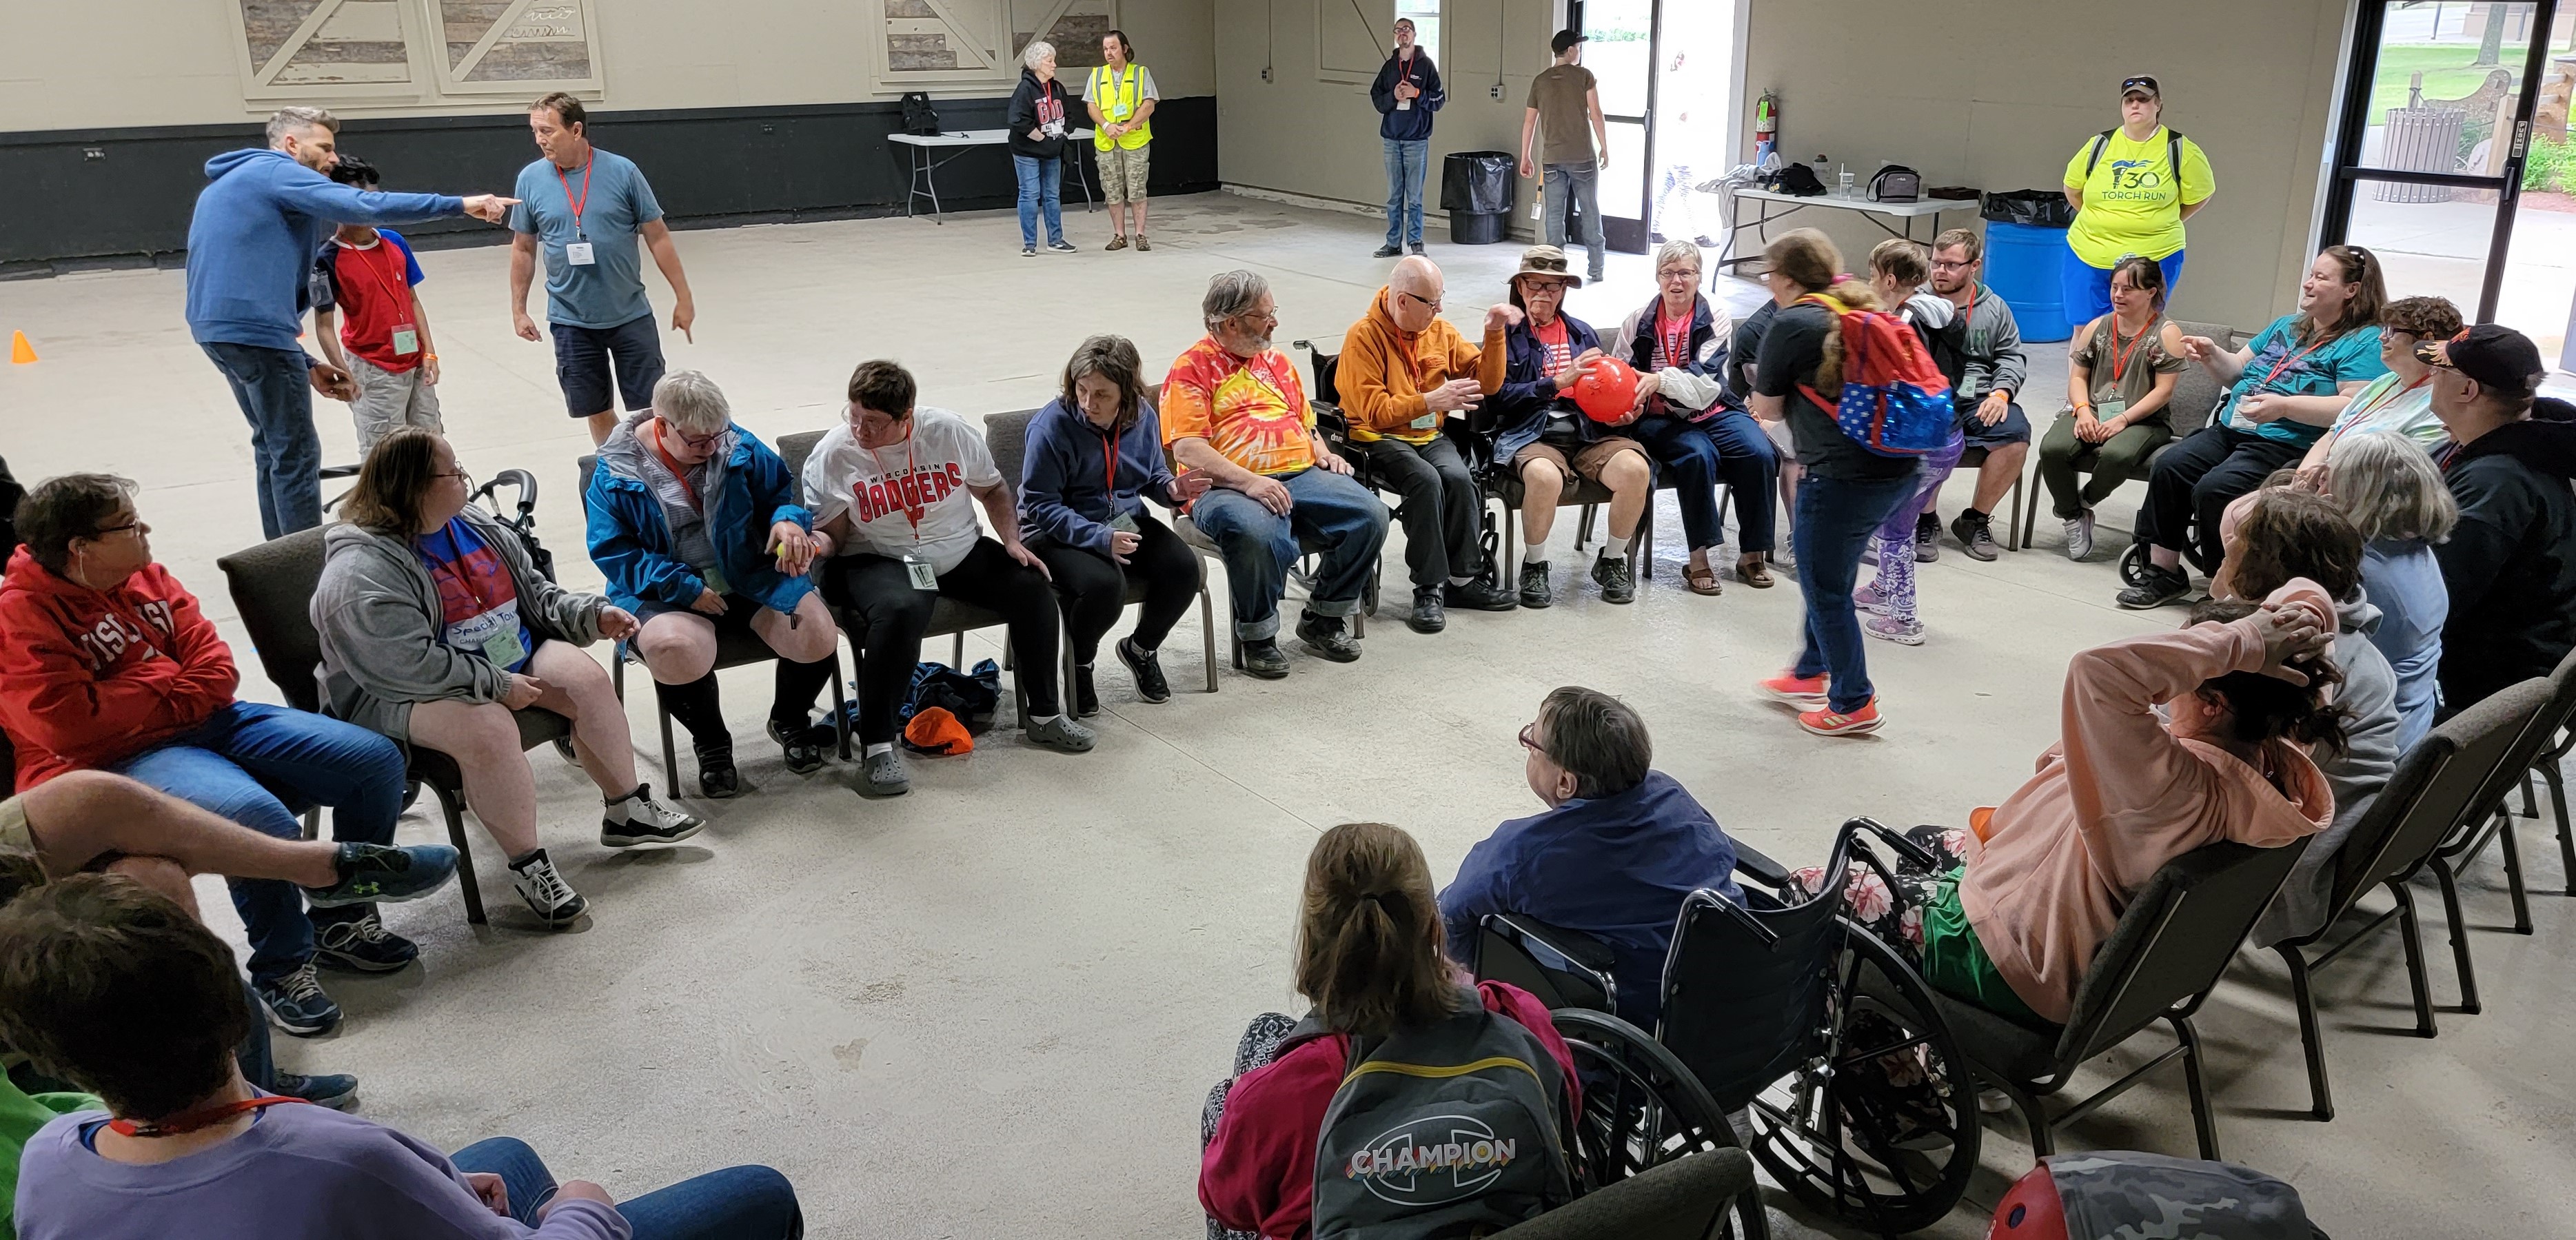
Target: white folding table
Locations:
point(924, 151)
point(1765, 202)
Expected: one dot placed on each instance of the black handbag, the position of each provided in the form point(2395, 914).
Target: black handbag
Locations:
point(1896, 183)
point(919, 117)
point(2037, 208)
point(1797, 180)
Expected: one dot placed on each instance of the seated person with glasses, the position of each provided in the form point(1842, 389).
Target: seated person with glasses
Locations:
point(436, 629)
point(695, 524)
point(115, 988)
point(1619, 847)
point(107, 663)
point(1678, 343)
point(894, 491)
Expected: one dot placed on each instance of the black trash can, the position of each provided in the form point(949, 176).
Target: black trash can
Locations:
point(1477, 189)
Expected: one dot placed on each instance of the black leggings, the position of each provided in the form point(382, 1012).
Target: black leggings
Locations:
point(885, 618)
point(1093, 588)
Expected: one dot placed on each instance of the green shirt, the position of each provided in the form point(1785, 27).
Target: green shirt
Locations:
point(21, 1114)
point(2133, 200)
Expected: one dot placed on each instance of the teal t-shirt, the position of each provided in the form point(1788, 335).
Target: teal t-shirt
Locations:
point(615, 201)
point(21, 1114)
point(2281, 365)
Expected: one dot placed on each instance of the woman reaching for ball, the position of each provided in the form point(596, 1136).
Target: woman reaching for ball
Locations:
point(1678, 344)
point(1536, 426)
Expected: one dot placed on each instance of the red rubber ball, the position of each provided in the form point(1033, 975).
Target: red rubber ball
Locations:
point(1606, 392)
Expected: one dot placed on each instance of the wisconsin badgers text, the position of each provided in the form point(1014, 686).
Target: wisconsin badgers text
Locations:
point(919, 489)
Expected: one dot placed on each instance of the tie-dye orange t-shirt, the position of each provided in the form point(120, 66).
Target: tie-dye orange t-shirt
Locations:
point(1253, 412)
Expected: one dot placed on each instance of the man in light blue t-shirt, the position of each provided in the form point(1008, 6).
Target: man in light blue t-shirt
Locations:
point(586, 207)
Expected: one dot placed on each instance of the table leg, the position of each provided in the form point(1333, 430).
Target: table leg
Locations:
point(1089, 203)
point(930, 175)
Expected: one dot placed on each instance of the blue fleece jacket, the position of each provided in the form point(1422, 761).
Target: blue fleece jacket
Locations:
point(1614, 868)
point(1411, 124)
point(631, 542)
point(1066, 488)
point(255, 234)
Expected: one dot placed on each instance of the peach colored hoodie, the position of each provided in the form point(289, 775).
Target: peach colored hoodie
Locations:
point(2120, 796)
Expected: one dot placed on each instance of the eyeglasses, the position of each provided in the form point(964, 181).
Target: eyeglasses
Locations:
point(699, 441)
point(462, 478)
point(115, 529)
point(1433, 304)
point(1543, 285)
point(1670, 274)
point(1529, 739)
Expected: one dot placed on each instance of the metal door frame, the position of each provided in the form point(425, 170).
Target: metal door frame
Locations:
point(1625, 235)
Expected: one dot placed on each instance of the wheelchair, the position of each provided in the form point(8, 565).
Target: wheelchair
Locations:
point(1786, 1012)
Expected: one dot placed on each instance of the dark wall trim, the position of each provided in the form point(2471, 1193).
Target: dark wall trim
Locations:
point(122, 197)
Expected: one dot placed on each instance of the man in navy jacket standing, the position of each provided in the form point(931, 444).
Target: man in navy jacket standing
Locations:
point(1407, 92)
point(252, 241)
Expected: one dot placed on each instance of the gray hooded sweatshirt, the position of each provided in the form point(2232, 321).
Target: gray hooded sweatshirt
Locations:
point(380, 621)
point(2356, 775)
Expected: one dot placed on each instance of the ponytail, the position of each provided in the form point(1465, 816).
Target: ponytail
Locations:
point(1855, 296)
point(1369, 950)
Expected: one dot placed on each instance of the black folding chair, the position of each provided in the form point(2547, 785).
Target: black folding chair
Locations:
point(1686, 1198)
point(2488, 821)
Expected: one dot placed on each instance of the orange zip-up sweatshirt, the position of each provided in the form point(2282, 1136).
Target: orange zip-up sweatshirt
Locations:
point(1384, 371)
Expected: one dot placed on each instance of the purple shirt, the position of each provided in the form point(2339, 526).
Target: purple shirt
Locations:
point(299, 1173)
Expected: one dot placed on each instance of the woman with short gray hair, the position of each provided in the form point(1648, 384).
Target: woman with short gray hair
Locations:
point(2388, 486)
point(1036, 119)
point(696, 525)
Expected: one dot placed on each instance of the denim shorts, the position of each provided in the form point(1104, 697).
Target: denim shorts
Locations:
point(2013, 429)
point(584, 355)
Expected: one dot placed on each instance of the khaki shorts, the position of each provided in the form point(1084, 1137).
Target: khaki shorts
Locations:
point(388, 399)
point(1122, 173)
point(13, 826)
point(1590, 461)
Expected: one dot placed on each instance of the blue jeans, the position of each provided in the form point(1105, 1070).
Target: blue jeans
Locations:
point(1407, 162)
point(1696, 456)
point(273, 388)
point(1835, 517)
point(1343, 518)
point(1041, 187)
point(1569, 186)
point(737, 1203)
point(260, 765)
point(2086, 289)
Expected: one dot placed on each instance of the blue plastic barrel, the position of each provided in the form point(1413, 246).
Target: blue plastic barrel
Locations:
point(2021, 266)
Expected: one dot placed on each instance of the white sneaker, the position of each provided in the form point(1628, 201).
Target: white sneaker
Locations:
point(548, 896)
point(647, 821)
point(2079, 535)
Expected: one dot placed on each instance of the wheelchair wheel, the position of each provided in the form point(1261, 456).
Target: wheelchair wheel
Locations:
point(1642, 1109)
point(1881, 1127)
point(2133, 564)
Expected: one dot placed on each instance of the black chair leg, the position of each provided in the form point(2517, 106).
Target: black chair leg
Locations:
point(2034, 1116)
point(448, 805)
point(670, 755)
point(840, 709)
point(2311, 1035)
point(2203, 1121)
point(1207, 636)
point(2506, 828)
point(2530, 804)
point(2459, 935)
point(2558, 806)
point(2418, 978)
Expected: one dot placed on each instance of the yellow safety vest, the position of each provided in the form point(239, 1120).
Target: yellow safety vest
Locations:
point(1117, 99)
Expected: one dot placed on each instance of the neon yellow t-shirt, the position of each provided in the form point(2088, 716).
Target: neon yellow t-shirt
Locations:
point(2131, 204)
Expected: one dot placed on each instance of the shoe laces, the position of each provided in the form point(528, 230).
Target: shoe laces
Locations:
point(301, 986)
point(548, 885)
point(369, 929)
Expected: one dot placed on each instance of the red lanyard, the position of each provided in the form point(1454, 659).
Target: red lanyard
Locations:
point(2120, 360)
point(196, 1120)
point(911, 466)
point(577, 207)
point(1676, 339)
point(2292, 360)
point(1404, 65)
point(1109, 463)
point(677, 472)
point(364, 264)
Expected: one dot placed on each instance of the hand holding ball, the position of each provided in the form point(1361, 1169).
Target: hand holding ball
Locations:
point(1608, 391)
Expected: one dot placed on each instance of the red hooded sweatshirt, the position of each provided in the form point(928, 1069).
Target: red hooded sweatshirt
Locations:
point(1258, 1174)
point(90, 677)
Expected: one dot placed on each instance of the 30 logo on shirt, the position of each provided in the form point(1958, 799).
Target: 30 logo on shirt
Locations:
point(2130, 176)
point(918, 489)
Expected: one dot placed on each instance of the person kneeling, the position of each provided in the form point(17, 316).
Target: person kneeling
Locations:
point(435, 629)
point(694, 522)
point(1620, 846)
point(118, 990)
point(890, 492)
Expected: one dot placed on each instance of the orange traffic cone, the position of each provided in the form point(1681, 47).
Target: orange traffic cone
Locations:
point(20, 351)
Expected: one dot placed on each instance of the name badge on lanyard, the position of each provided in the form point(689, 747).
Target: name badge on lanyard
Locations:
point(406, 340)
point(924, 577)
point(1404, 75)
point(503, 648)
point(578, 254)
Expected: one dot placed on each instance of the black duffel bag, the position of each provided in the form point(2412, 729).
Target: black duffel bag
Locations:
point(2038, 208)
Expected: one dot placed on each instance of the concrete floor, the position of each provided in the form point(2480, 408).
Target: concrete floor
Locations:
point(992, 1008)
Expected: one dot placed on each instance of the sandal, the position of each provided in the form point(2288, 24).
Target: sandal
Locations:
point(1753, 572)
point(1702, 580)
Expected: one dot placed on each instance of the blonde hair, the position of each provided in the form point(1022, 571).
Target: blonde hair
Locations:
point(1900, 260)
point(1808, 259)
point(2390, 488)
point(691, 401)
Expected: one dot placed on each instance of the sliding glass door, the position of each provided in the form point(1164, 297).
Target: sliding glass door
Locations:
point(1621, 49)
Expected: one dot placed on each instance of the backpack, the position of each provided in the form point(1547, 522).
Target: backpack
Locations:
point(1896, 183)
point(2173, 155)
point(918, 116)
point(1449, 1130)
point(1796, 180)
point(1895, 402)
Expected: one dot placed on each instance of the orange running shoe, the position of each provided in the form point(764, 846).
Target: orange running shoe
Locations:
point(1826, 722)
point(1803, 692)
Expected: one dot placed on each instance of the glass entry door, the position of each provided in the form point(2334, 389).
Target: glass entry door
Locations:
point(2453, 164)
point(1620, 49)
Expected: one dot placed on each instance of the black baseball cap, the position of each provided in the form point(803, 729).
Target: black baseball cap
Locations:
point(1567, 38)
point(2141, 85)
point(2498, 357)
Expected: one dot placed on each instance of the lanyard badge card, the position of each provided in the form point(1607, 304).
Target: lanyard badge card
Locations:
point(577, 252)
point(924, 577)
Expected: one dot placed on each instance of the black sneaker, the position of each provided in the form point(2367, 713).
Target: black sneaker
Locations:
point(547, 895)
point(647, 822)
point(1028, 251)
point(1427, 615)
point(1086, 695)
point(1387, 251)
point(1535, 591)
point(1416, 247)
point(1061, 246)
point(1265, 659)
point(1976, 534)
point(1481, 595)
point(336, 1090)
point(717, 778)
point(2156, 587)
point(1617, 586)
point(804, 744)
point(295, 1003)
point(362, 946)
point(1326, 636)
point(382, 873)
point(1147, 670)
point(1927, 537)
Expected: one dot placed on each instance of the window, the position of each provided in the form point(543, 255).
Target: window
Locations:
point(413, 50)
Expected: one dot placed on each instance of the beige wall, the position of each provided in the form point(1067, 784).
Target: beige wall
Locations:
point(1998, 93)
point(1313, 132)
point(170, 62)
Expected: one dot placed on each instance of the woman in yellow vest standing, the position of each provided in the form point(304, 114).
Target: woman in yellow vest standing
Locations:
point(1121, 95)
point(2132, 187)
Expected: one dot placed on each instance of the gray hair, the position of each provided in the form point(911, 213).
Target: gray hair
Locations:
point(1679, 247)
point(1597, 738)
point(691, 401)
point(285, 121)
point(1037, 50)
point(1232, 294)
point(2390, 488)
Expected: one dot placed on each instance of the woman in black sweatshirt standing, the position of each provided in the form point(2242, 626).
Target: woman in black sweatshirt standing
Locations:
point(1038, 128)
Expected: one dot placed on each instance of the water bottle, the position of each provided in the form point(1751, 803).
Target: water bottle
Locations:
point(1844, 175)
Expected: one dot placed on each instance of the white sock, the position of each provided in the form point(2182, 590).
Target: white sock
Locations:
point(1460, 581)
point(1610, 551)
point(1536, 550)
point(1035, 720)
point(880, 747)
point(614, 808)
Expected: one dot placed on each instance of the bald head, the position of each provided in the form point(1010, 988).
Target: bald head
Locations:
point(1413, 292)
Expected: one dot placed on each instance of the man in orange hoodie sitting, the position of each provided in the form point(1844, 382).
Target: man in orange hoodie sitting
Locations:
point(1403, 370)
